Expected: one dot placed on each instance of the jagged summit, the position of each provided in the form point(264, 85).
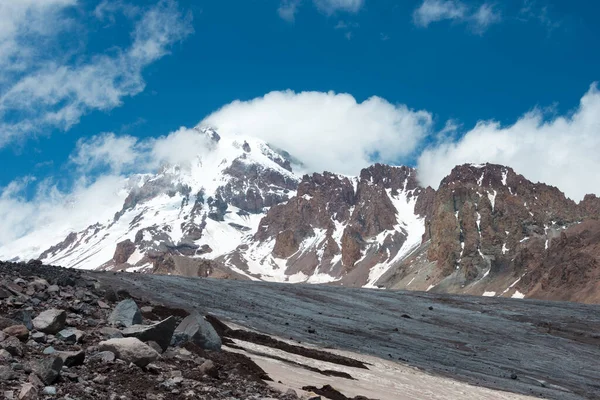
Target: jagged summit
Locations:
point(239, 210)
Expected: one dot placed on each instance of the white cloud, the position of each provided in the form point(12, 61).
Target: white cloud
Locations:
point(287, 9)
point(52, 214)
point(332, 6)
point(431, 11)
point(55, 94)
point(327, 131)
point(438, 10)
point(562, 151)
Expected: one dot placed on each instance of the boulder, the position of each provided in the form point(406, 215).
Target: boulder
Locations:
point(72, 358)
point(5, 356)
point(50, 321)
point(161, 332)
point(196, 329)
point(126, 313)
point(130, 350)
point(19, 331)
point(13, 346)
point(48, 369)
point(39, 337)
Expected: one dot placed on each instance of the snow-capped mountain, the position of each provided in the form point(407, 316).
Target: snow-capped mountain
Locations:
point(240, 211)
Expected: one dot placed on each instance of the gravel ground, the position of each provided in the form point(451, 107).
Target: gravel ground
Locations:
point(537, 348)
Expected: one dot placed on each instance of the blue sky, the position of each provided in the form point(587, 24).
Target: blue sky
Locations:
point(462, 62)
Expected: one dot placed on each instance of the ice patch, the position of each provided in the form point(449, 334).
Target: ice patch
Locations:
point(492, 198)
point(504, 248)
point(518, 295)
point(489, 294)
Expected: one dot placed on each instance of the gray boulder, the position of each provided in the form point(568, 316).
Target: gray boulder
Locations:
point(50, 321)
point(130, 350)
point(198, 330)
point(126, 313)
point(161, 332)
point(48, 369)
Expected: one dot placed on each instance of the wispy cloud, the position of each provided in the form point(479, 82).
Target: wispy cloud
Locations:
point(289, 8)
point(533, 11)
point(55, 93)
point(479, 19)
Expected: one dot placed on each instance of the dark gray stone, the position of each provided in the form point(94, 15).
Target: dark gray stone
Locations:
point(126, 313)
point(48, 369)
point(161, 332)
point(198, 330)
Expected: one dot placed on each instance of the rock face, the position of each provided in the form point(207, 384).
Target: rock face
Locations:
point(50, 321)
point(130, 350)
point(198, 330)
point(241, 212)
point(126, 313)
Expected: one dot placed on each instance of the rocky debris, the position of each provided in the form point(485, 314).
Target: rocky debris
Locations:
point(50, 321)
point(197, 329)
point(160, 333)
point(90, 359)
point(126, 313)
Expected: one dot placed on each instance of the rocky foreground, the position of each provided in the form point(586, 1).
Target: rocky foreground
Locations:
point(63, 335)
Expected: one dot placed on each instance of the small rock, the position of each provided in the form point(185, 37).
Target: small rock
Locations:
point(103, 305)
point(50, 321)
point(6, 373)
point(161, 332)
point(53, 289)
point(70, 335)
point(111, 333)
point(5, 356)
point(20, 281)
point(72, 358)
point(49, 391)
point(126, 313)
point(110, 295)
point(39, 337)
point(48, 369)
point(13, 346)
point(103, 356)
point(19, 331)
point(49, 350)
point(147, 309)
point(9, 395)
point(209, 368)
point(28, 392)
point(130, 350)
point(100, 379)
point(35, 380)
point(25, 318)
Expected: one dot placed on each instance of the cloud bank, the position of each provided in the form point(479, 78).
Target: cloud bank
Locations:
point(289, 8)
point(561, 151)
point(327, 131)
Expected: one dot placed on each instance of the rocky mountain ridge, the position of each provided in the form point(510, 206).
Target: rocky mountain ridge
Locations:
point(239, 211)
